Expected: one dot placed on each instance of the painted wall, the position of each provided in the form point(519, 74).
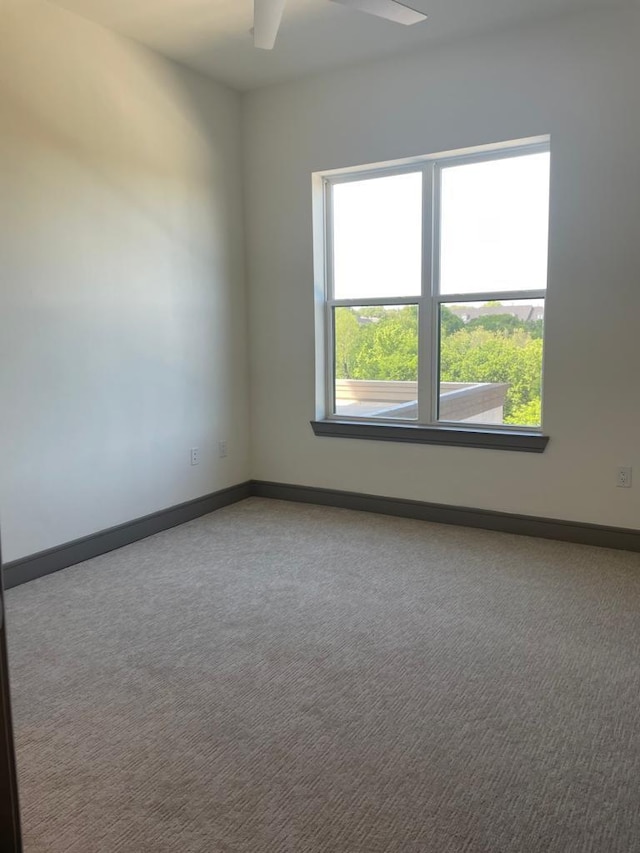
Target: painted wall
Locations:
point(122, 308)
point(575, 78)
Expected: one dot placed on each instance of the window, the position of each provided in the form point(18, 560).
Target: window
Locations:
point(435, 276)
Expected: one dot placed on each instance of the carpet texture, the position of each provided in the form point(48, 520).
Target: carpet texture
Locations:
point(279, 678)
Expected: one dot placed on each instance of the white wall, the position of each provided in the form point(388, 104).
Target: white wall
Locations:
point(575, 78)
point(122, 311)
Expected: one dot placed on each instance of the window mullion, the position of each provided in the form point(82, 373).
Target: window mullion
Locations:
point(377, 300)
point(425, 312)
point(434, 332)
point(490, 295)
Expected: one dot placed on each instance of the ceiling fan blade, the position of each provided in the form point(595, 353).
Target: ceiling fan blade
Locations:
point(389, 9)
point(267, 15)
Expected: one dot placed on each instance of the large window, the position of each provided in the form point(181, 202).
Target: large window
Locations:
point(435, 280)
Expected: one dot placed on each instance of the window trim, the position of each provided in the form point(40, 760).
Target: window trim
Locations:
point(427, 428)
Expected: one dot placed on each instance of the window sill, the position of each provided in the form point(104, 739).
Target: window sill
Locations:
point(520, 440)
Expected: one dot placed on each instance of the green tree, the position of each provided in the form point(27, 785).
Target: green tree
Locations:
point(347, 333)
point(535, 328)
point(528, 414)
point(388, 348)
point(478, 355)
point(496, 323)
point(449, 322)
point(372, 312)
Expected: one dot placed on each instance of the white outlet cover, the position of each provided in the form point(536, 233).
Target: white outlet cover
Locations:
point(624, 478)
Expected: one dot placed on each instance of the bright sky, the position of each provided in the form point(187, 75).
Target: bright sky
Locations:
point(494, 230)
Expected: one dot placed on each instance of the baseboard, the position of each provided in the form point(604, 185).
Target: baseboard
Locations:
point(46, 562)
point(54, 559)
point(620, 538)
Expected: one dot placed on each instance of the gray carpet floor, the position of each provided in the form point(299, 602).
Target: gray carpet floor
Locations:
point(276, 678)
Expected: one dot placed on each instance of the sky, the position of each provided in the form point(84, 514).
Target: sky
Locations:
point(494, 230)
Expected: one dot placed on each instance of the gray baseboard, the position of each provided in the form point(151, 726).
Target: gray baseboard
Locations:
point(54, 559)
point(620, 538)
point(46, 562)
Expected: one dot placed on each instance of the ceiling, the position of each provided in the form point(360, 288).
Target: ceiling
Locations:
point(212, 36)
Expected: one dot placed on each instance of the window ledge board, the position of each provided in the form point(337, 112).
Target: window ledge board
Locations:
point(521, 440)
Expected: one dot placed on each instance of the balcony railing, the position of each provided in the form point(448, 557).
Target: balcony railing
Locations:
point(464, 402)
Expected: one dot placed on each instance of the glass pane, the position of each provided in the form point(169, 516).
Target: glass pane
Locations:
point(376, 361)
point(491, 362)
point(377, 237)
point(494, 225)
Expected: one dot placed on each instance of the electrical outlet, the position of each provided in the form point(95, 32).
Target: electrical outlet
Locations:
point(222, 449)
point(624, 478)
point(195, 455)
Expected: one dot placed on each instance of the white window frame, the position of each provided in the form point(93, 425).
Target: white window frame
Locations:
point(429, 299)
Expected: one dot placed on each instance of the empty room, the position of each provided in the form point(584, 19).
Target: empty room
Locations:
point(319, 426)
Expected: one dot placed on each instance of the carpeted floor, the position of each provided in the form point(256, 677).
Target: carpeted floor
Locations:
point(279, 678)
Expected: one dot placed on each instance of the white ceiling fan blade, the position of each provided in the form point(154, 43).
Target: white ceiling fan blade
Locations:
point(267, 15)
point(389, 9)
